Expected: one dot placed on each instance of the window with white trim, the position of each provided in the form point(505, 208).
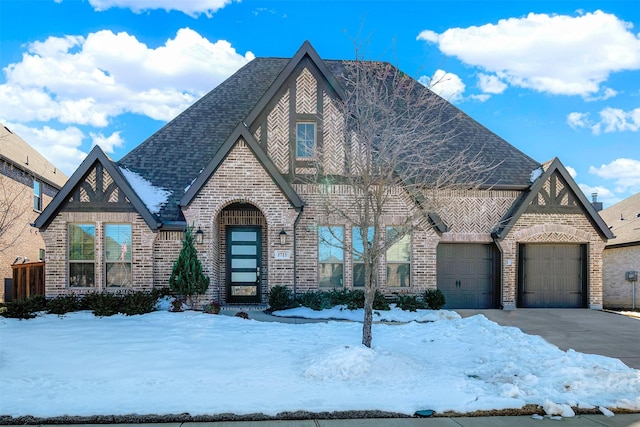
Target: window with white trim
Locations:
point(305, 140)
point(398, 258)
point(117, 250)
point(82, 262)
point(330, 256)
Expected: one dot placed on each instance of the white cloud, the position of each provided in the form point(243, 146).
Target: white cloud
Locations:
point(556, 54)
point(611, 120)
point(491, 84)
point(107, 143)
point(625, 173)
point(603, 194)
point(193, 8)
point(447, 85)
point(578, 120)
point(78, 80)
point(571, 171)
point(60, 147)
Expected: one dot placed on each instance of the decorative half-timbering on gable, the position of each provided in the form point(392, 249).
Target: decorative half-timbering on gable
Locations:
point(98, 192)
point(555, 196)
point(239, 166)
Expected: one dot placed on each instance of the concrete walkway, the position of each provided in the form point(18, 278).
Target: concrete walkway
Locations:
point(586, 331)
point(622, 420)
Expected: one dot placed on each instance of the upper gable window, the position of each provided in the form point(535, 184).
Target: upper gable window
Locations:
point(37, 195)
point(305, 140)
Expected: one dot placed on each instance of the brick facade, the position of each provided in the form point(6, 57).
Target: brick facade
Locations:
point(618, 291)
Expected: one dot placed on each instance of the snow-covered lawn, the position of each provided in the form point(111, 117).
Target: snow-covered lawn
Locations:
point(170, 363)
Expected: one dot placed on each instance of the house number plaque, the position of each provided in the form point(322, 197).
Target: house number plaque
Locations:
point(281, 254)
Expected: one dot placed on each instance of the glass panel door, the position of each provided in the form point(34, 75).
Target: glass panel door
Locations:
point(243, 264)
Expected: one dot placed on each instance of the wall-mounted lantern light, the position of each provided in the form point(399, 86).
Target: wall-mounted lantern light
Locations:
point(283, 237)
point(199, 236)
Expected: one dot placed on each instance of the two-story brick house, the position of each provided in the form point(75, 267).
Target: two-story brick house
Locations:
point(28, 183)
point(231, 166)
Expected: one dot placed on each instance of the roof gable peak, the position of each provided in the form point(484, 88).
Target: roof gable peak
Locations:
point(305, 51)
point(96, 158)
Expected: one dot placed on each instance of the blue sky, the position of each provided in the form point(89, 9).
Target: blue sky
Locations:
point(555, 79)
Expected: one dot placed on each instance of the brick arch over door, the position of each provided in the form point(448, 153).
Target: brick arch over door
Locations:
point(241, 216)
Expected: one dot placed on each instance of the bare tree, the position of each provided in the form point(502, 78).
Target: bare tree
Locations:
point(401, 143)
point(12, 208)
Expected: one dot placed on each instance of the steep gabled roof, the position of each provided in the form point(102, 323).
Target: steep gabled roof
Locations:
point(96, 156)
point(624, 220)
point(242, 132)
point(527, 197)
point(19, 153)
point(174, 157)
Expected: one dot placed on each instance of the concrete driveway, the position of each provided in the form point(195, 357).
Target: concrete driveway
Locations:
point(583, 330)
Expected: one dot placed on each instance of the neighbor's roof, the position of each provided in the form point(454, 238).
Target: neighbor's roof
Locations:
point(624, 220)
point(173, 157)
point(16, 151)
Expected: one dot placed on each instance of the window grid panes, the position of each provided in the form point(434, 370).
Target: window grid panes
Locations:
point(358, 253)
point(81, 240)
point(330, 256)
point(117, 247)
point(398, 259)
point(305, 139)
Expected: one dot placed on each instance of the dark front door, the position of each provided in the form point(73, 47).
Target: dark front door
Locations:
point(244, 252)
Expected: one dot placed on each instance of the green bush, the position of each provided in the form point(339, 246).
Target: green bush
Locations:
point(380, 302)
point(355, 300)
point(409, 302)
point(138, 302)
point(37, 303)
point(63, 304)
point(434, 298)
point(279, 298)
point(20, 309)
point(187, 277)
point(106, 304)
point(314, 300)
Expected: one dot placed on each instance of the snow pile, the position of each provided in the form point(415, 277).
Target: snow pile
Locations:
point(171, 363)
point(341, 312)
point(153, 197)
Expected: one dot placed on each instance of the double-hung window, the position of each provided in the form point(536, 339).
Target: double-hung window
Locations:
point(37, 195)
point(117, 249)
point(398, 258)
point(358, 255)
point(305, 140)
point(82, 262)
point(330, 256)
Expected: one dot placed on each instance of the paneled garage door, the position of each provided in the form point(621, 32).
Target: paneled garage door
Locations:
point(552, 276)
point(467, 275)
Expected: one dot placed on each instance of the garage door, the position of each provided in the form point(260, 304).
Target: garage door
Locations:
point(552, 276)
point(466, 275)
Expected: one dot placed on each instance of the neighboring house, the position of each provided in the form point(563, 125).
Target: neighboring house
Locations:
point(28, 183)
point(231, 167)
point(622, 254)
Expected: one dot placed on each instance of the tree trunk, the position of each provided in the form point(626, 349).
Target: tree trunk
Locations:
point(368, 314)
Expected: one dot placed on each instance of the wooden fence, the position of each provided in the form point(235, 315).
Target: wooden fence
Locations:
point(28, 280)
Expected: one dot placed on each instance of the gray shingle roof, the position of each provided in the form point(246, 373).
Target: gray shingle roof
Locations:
point(173, 157)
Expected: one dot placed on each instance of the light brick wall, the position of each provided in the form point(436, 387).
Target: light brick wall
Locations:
point(242, 179)
point(20, 239)
point(55, 237)
point(618, 291)
point(552, 228)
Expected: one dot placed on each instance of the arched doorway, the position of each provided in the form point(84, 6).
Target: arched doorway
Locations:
point(244, 263)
